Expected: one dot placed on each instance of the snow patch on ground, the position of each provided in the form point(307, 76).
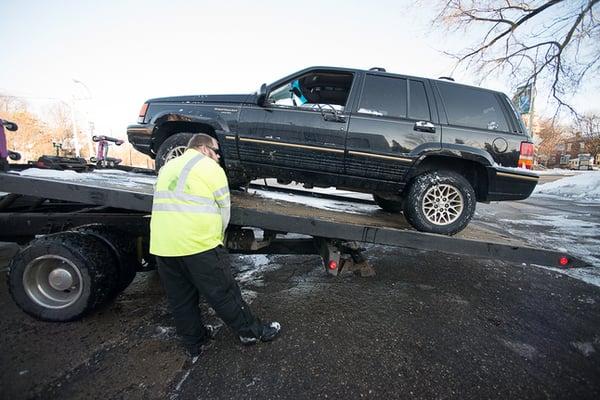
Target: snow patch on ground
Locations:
point(583, 188)
point(560, 171)
point(250, 271)
point(585, 348)
point(50, 173)
point(523, 349)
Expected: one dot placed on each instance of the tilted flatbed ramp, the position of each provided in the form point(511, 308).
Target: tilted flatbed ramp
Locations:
point(356, 222)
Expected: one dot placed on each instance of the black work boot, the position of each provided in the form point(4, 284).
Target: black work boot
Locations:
point(269, 331)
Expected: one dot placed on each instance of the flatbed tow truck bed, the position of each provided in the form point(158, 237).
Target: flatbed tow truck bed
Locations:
point(118, 201)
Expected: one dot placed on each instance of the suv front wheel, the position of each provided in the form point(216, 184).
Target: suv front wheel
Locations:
point(440, 202)
point(173, 147)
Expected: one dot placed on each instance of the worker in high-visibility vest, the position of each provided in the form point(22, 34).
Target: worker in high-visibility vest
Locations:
point(190, 213)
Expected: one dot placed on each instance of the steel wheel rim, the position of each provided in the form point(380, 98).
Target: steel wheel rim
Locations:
point(53, 281)
point(442, 204)
point(175, 152)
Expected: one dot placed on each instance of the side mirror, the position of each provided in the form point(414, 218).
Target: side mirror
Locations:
point(261, 95)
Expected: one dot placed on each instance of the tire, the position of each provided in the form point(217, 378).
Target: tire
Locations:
point(123, 247)
point(421, 211)
point(172, 147)
point(178, 142)
point(85, 276)
point(392, 206)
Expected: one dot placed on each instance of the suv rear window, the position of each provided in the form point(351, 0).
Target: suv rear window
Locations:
point(472, 107)
point(390, 97)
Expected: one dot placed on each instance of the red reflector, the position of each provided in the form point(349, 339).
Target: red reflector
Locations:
point(332, 264)
point(563, 261)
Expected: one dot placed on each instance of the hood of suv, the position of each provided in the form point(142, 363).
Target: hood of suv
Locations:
point(210, 98)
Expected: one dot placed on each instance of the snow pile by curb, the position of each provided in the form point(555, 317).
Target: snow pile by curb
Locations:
point(584, 187)
point(559, 171)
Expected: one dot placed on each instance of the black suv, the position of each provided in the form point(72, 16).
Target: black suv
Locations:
point(430, 148)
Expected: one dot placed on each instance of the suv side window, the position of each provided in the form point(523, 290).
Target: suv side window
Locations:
point(473, 108)
point(314, 91)
point(384, 96)
point(418, 107)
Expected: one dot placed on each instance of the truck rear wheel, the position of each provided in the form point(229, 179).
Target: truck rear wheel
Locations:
point(440, 202)
point(63, 276)
point(123, 247)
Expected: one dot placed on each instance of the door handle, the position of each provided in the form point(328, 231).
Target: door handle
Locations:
point(424, 126)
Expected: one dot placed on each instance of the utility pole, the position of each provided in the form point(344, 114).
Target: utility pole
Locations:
point(76, 143)
point(533, 93)
point(74, 125)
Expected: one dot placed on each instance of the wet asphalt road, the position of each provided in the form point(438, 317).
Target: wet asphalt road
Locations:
point(426, 326)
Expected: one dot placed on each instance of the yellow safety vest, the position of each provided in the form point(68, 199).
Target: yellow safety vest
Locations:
point(190, 196)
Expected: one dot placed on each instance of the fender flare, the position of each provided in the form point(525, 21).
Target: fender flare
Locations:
point(212, 119)
point(460, 152)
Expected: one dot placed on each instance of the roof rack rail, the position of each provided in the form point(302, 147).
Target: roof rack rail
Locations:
point(378, 69)
point(447, 78)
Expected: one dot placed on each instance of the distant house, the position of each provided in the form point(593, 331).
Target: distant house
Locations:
point(567, 149)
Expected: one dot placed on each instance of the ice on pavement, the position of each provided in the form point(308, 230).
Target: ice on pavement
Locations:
point(250, 271)
point(583, 188)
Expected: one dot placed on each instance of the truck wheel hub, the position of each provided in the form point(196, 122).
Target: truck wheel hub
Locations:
point(60, 279)
point(53, 281)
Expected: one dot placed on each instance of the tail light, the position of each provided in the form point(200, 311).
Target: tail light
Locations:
point(142, 114)
point(563, 261)
point(526, 156)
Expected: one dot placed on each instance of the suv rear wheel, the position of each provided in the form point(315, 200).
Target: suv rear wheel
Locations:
point(440, 202)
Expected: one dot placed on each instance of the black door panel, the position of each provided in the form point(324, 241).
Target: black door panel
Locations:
point(391, 121)
point(292, 138)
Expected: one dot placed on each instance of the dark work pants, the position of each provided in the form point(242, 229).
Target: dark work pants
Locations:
point(207, 274)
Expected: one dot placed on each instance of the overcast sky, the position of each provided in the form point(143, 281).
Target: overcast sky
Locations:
point(125, 52)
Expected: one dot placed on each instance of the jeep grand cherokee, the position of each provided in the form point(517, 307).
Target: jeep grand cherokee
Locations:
point(430, 148)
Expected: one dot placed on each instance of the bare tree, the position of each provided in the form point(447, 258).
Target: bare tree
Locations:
point(553, 42)
point(549, 136)
point(11, 104)
point(589, 125)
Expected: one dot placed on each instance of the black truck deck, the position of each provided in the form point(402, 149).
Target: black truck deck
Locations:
point(123, 196)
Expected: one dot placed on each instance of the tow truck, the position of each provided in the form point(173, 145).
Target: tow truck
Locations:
point(84, 235)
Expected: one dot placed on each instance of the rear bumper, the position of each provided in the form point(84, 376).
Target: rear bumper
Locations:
point(140, 137)
point(510, 184)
